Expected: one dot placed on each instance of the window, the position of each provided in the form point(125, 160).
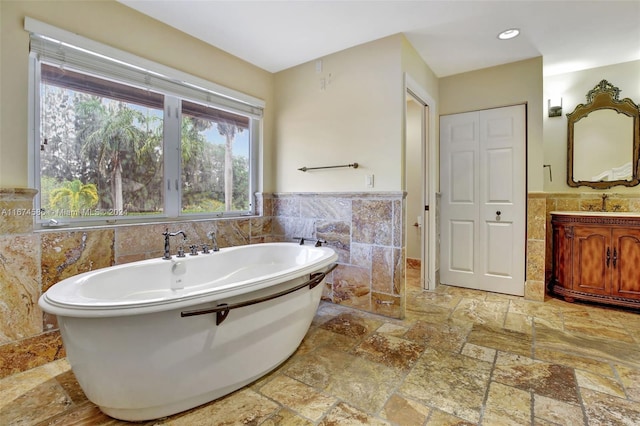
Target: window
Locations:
point(116, 141)
point(214, 160)
point(101, 151)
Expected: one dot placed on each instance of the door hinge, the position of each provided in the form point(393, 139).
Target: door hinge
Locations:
point(426, 208)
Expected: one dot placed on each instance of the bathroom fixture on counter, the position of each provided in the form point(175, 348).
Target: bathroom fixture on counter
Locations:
point(603, 207)
point(305, 168)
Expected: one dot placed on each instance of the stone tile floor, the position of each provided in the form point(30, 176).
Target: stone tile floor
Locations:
point(460, 357)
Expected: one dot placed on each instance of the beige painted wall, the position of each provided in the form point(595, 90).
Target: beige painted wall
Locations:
point(573, 88)
point(356, 118)
point(509, 84)
point(350, 111)
point(116, 25)
point(419, 71)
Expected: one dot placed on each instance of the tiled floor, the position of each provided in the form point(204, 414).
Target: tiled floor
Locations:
point(461, 357)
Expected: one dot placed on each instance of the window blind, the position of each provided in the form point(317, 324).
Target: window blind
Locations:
point(68, 79)
point(110, 63)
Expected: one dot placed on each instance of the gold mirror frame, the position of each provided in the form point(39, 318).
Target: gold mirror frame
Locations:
point(604, 96)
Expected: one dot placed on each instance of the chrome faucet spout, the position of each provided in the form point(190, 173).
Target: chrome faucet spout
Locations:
point(184, 236)
point(167, 248)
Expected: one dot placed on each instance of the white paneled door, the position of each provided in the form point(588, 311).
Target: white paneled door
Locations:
point(483, 202)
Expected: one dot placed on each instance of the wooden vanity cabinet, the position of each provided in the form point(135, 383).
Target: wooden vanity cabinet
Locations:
point(597, 258)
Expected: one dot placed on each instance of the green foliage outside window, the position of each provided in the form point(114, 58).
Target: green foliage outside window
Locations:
point(107, 155)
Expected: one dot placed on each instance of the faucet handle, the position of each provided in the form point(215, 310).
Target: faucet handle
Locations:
point(193, 250)
point(181, 252)
point(205, 249)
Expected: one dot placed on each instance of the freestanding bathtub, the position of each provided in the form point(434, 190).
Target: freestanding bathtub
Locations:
point(156, 337)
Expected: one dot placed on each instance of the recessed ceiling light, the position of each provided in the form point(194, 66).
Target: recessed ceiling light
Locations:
point(508, 34)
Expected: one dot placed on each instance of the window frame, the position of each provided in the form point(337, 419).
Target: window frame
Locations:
point(215, 95)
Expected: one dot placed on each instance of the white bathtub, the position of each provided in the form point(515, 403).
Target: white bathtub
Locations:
point(144, 341)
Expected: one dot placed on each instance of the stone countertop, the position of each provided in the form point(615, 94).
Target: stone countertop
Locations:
point(594, 213)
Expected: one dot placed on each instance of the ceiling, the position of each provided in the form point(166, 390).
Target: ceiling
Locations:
point(451, 36)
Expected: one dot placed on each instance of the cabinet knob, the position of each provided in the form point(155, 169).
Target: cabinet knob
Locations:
point(498, 213)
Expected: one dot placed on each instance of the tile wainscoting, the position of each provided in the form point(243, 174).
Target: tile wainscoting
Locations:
point(366, 229)
point(367, 232)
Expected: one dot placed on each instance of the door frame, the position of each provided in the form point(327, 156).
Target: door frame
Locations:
point(430, 174)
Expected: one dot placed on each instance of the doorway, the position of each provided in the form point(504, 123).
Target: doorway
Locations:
point(415, 232)
point(420, 174)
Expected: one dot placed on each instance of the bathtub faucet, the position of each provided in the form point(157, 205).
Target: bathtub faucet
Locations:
point(167, 250)
point(214, 241)
point(318, 242)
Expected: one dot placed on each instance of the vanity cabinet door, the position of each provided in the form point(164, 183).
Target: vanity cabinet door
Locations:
point(562, 256)
point(592, 259)
point(626, 263)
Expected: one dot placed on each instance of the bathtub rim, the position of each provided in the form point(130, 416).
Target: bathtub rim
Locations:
point(220, 294)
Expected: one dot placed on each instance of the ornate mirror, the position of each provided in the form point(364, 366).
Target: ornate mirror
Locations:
point(604, 140)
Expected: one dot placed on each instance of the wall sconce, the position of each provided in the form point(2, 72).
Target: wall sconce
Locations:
point(556, 110)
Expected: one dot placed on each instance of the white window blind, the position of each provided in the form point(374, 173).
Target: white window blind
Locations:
point(63, 49)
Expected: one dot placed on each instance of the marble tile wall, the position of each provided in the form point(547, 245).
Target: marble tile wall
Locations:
point(16, 210)
point(365, 229)
point(367, 232)
point(536, 240)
